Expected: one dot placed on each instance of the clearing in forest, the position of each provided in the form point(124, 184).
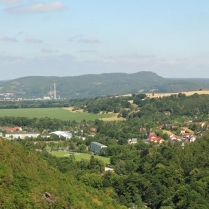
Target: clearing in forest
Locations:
point(79, 156)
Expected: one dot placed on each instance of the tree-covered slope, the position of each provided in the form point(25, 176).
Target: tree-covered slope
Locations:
point(93, 85)
point(82, 86)
point(27, 181)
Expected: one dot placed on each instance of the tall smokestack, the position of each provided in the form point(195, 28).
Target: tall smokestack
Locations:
point(50, 92)
point(55, 91)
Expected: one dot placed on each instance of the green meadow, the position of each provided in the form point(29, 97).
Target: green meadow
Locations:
point(58, 113)
point(79, 156)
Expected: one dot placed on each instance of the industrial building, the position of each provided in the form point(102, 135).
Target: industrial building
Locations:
point(63, 134)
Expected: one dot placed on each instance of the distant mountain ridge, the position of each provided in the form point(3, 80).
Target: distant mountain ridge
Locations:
point(93, 85)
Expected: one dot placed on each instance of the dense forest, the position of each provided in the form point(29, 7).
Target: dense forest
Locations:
point(165, 176)
point(27, 181)
point(155, 176)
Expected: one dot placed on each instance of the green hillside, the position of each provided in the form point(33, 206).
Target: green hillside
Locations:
point(82, 86)
point(93, 85)
point(27, 181)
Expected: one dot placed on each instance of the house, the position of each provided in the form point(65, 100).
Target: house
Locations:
point(154, 138)
point(157, 140)
point(132, 141)
point(93, 129)
point(11, 129)
point(189, 137)
point(109, 169)
point(174, 138)
point(152, 135)
point(202, 124)
point(81, 137)
point(96, 147)
point(167, 113)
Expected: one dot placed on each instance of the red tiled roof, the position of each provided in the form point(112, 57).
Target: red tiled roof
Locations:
point(12, 129)
point(93, 129)
point(152, 135)
point(156, 139)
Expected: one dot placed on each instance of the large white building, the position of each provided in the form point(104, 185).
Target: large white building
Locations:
point(64, 134)
point(20, 135)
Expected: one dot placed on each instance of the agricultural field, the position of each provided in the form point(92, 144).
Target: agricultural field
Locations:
point(187, 93)
point(79, 156)
point(112, 116)
point(58, 113)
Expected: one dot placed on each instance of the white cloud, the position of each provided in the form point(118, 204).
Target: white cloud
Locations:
point(33, 40)
point(89, 40)
point(7, 38)
point(36, 8)
point(9, 1)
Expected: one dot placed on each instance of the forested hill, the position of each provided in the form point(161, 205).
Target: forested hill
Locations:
point(27, 181)
point(98, 85)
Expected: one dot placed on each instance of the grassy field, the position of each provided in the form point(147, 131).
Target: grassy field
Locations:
point(58, 113)
point(79, 156)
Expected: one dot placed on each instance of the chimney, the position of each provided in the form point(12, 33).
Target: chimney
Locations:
point(55, 92)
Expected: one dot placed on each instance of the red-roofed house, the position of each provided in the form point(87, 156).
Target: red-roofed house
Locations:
point(154, 138)
point(152, 135)
point(12, 129)
point(93, 129)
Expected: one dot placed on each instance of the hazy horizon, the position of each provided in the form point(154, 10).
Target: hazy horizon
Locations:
point(99, 74)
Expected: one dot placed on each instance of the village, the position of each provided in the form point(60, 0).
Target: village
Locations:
point(54, 140)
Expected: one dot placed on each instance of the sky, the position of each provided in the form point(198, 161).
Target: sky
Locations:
point(77, 37)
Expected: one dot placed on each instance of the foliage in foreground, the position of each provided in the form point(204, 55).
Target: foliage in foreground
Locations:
point(25, 178)
point(160, 176)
